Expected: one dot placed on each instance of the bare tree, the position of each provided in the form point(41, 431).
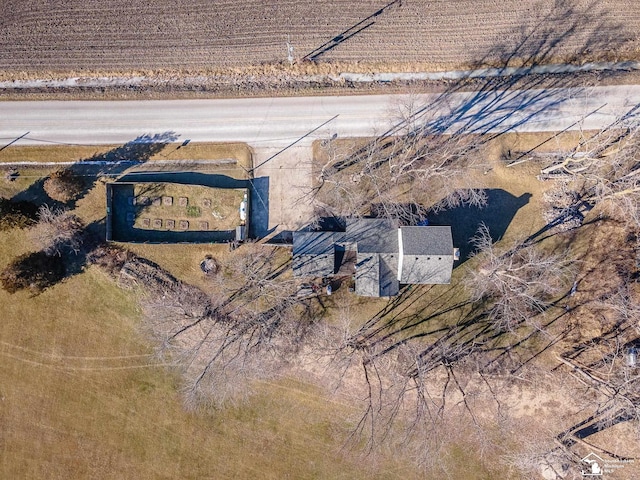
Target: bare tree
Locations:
point(604, 169)
point(517, 283)
point(625, 306)
point(610, 389)
point(414, 163)
point(247, 331)
point(608, 367)
point(406, 395)
point(461, 197)
point(539, 456)
point(57, 230)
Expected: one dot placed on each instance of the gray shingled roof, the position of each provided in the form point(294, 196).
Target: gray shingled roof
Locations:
point(389, 285)
point(426, 270)
point(377, 275)
point(368, 275)
point(313, 254)
point(427, 255)
point(424, 257)
point(431, 240)
point(373, 235)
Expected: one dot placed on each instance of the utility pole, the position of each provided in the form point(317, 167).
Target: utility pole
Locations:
point(289, 50)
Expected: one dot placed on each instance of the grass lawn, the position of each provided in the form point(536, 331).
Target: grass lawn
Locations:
point(81, 397)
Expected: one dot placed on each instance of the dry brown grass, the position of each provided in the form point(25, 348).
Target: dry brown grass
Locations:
point(83, 398)
point(517, 181)
point(183, 262)
point(522, 401)
point(142, 38)
point(82, 395)
point(76, 153)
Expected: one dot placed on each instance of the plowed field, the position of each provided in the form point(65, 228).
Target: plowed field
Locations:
point(139, 35)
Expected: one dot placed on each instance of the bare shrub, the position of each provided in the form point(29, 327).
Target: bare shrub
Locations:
point(110, 257)
point(57, 230)
point(64, 185)
point(33, 271)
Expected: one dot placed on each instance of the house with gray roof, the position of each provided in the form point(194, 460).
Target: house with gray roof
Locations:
point(386, 255)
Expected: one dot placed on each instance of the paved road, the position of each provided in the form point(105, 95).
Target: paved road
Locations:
point(271, 125)
point(279, 122)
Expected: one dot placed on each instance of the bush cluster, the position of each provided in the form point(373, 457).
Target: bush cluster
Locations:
point(63, 185)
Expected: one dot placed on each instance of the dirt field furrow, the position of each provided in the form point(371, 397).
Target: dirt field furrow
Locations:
point(119, 35)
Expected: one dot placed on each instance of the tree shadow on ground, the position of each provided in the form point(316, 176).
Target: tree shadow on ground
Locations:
point(42, 271)
point(35, 193)
point(115, 162)
point(448, 332)
point(112, 163)
point(451, 129)
point(495, 103)
point(490, 107)
point(497, 215)
point(139, 150)
point(568, 33)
